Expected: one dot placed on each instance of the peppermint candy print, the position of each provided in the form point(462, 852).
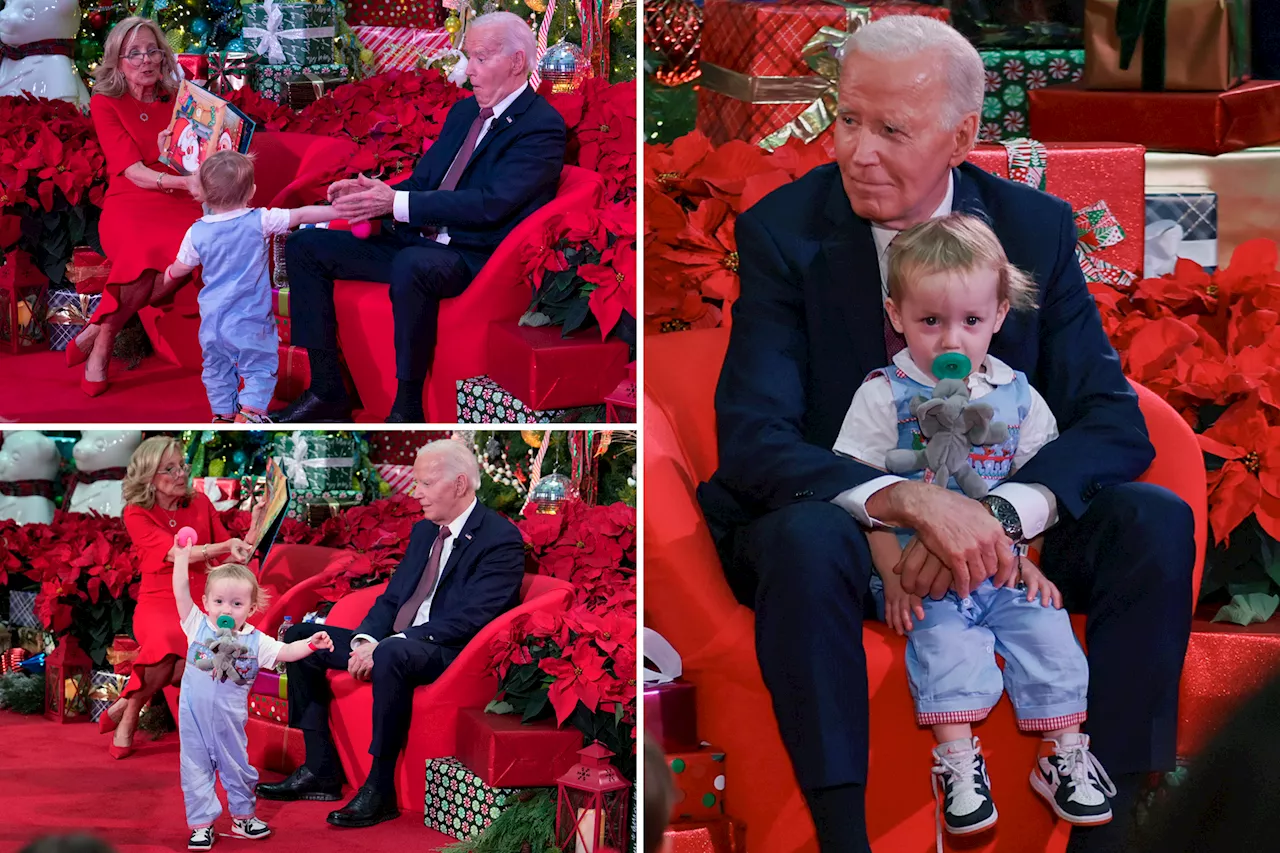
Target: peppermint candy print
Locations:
point(1060, 68)
point(993, 81)
point(1014, 124)
point(1014, 69)
point(459, 803)
point(1037, 78)
point(1010, 75)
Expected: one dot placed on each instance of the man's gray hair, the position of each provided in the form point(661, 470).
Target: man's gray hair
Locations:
point(904, 35)
point(514, 33)
point(456, 457)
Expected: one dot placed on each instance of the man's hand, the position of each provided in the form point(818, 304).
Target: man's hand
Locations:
point(959, 531)
point(360, 664)
point(338, 189)
point(372, 199)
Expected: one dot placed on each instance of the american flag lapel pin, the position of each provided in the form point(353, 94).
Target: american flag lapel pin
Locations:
point(468, 537)
point(508, 119)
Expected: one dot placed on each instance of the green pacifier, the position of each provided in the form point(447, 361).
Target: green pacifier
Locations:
point(952, 365)
point(226, 622)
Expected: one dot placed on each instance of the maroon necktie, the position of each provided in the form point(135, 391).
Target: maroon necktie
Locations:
point(451, 177)
point(409, 610)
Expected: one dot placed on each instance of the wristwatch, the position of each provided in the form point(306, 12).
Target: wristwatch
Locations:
point(1005, 513)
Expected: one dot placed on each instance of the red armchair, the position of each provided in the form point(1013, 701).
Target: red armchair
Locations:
point(497, 293)
point(688, 601)
point(288, 169)
point(467, 683)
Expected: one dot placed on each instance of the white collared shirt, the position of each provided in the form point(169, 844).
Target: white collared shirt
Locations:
point(1036, 505)
point(400, 208)
point(424, 612)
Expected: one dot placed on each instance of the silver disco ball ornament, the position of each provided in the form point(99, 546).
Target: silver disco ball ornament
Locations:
point(564, 66)
point(552, 493)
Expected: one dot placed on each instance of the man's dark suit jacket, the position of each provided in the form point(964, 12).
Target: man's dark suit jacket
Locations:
point(809, 327)
point(514, 170)
point(480, 582)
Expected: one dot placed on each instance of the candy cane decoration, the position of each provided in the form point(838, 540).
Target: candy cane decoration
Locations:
point(535, 472)
point(544, 30)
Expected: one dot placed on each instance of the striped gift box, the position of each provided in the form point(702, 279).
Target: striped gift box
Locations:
point(22, 609)
point(398, 477)
point(402, 47)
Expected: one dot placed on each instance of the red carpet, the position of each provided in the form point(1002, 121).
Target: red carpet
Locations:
point(60, 779)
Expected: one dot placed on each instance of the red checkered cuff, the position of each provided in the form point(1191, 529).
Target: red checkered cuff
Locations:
point(941, 718)
point(1048, 724)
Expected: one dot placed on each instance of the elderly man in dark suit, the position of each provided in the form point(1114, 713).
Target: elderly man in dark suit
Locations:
point(463, 567)
point(497, 160)
point(788, 515)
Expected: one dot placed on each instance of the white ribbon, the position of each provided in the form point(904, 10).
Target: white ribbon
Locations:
point(269, 40)
point(1165, 242)
point(211, 489)
point(664, 656)
point(297, 463)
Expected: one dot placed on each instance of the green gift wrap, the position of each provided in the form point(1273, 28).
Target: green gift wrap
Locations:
point(457, 802)
point(317, 461)
point(300, 33)
point(271, 81)
point(1011, 74)
point(315, 505)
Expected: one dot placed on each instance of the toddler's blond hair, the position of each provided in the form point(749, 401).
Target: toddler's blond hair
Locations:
point(227, 179)
point(237, 572)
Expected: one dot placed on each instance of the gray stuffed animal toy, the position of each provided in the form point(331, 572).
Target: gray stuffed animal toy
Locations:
point(225, 650)
point(953, 427)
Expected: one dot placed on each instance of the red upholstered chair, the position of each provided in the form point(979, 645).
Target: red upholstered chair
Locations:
point(688, 601)
point(289, 169)
point(499, 292)
point(467, 683)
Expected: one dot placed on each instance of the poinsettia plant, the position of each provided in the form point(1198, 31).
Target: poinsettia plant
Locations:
point(52, 180)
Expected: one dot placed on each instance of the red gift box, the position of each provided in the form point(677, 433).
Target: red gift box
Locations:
point(280, 301)
point(506, 753)
point(700, 783)
point(271, 708)
point(269, 683)
point(1085, 174)
point(195, 67)
point(724, 835)
point(274, 746)
point(1183, 122)
point(400, 448)
point(294, 373)
point(396, 13)
point(547, 371)
point(88, 270)
point(284, 330)
point(1225, 665)
point(671, 715)
point(401, 48)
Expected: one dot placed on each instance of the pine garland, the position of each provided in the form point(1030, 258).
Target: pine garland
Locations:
point(528, 825)
point(22, 692)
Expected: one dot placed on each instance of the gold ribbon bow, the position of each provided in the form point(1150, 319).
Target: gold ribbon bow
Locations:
point(108, 692)
point(75, 313)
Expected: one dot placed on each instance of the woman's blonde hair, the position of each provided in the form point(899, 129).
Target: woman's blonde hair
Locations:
point(243, 574)
point(957, 242)
point(227, 179)
point(139, 487)
point(108, 76)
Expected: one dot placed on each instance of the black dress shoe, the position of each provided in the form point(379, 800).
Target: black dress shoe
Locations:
point(302, 785)
point(311, 409)
point(402, 418)
point(366, 808)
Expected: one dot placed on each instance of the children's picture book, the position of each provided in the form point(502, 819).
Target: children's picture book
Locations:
point(202, 124)
point(276, 497)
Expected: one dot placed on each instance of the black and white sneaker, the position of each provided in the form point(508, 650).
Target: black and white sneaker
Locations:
point(1073, 782)
point(964, 804)
point(201, 839)
point(249, 828)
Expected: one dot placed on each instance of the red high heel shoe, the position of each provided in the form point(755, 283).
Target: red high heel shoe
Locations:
point(75, 355)
point(119, 752)
point(94, 388)
point(106, 725)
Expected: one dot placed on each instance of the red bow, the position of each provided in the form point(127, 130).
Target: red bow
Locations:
point(48, 47)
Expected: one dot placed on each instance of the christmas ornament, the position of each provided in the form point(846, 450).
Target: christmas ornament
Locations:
point(493, 450)
point(564, 66)
point(200, 27)
point(532, 437)
point(452, 24)
point(551, 494)
point(538, 6)
point(97, 20)
point(674, 29)
point(236, 44)
point(239, 459)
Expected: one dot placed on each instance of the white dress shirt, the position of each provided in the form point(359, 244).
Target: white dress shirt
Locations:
point(400, 207)
point(1036, 505)
point(424, 612)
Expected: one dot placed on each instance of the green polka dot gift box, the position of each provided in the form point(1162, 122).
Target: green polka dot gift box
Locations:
point(457, 802)
point(700, 783)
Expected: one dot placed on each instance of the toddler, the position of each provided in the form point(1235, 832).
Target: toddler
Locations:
point(237, 328)
point(213, 712)
point(951, 287)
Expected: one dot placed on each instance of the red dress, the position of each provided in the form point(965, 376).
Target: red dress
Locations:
point(155, 620)
point(141, 228)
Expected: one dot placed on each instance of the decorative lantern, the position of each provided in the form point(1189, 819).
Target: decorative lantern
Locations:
point(592, 805)
point(620, 403)
point(23, 295)
point(564, 66)
point(67, 682)
point(551, 493)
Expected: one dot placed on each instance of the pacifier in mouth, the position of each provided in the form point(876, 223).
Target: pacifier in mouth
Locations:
point(952, 365)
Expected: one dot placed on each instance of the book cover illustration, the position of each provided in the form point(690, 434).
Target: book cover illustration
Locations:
point(202, 124)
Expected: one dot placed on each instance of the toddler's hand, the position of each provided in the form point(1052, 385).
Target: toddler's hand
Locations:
point(180, 550)
point(899, 605)
point(1038, 586)
point(320, 640)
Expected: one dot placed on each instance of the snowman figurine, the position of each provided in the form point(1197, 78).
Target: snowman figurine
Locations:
point(101, 458)
point(37, 41)
point(29, 463)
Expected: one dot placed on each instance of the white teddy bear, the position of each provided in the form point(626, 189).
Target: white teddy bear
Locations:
point(101, 457)
point(33, 27)
point(29, 464)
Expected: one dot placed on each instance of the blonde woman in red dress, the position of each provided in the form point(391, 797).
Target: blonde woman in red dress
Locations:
point(148, 206)
point(159, 503)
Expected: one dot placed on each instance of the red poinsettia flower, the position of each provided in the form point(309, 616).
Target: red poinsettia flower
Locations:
point(1249, 480)
point(578, 676)
point(708, 251)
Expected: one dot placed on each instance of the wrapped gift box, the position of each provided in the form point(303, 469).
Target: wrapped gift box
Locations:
point(314, 47)
point(284, 331)
point(293, 376)
point(229, 70)
point(271, 684)
point(317, 461)
point(505, 753)
point(700, 783)
point(1182, 222)
point(671, 715)
point(69, 312)
point(400, 447)
point(483, 401)
point(549, 371)
point(1001, 24)
point(271, 81)
point(723, 835)
point(458, 802)
point(22, 609)
point(315, 505)
point(308, 87)
point(754, 79)
point(1084, 175)
point(280, 301)
point(88, 271)
point(1184, 122)
point(274, 746)
point(1212, 34)
point(271, 708)
point(1011, 75)
point(427, 14)
point(399, 478)
point(105, 687)
point(195, 67)
point(123, 651)
point(402, 48)
point(1226, 664)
